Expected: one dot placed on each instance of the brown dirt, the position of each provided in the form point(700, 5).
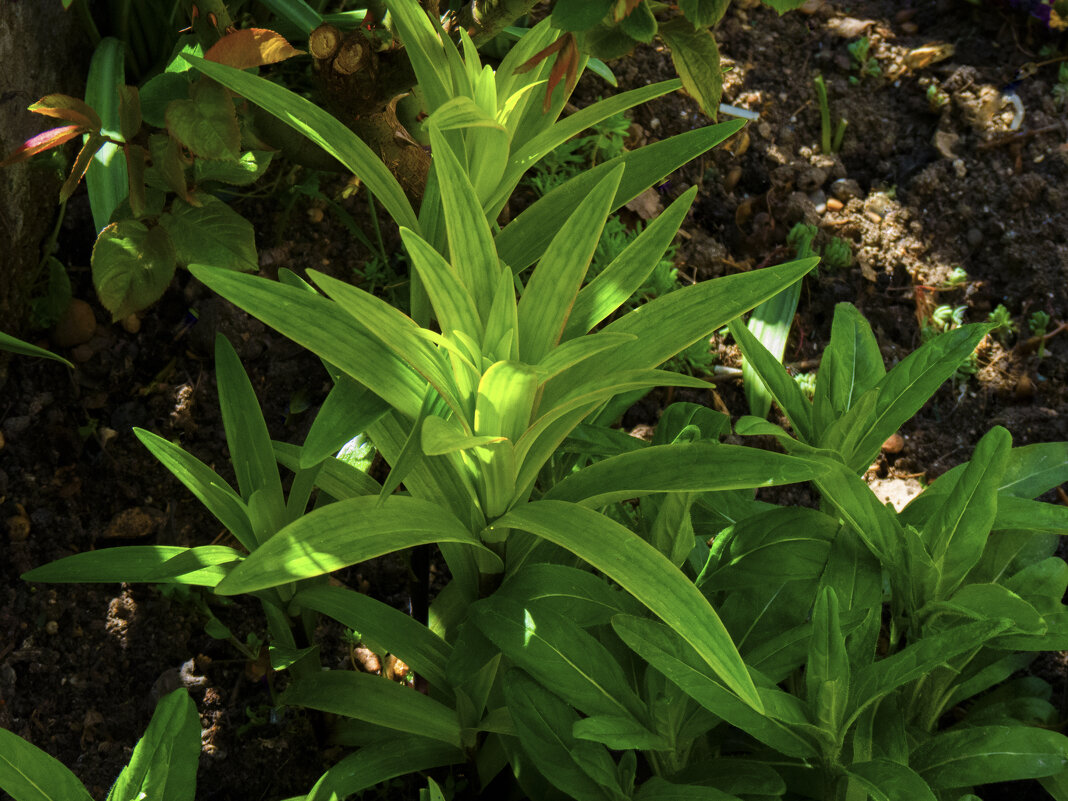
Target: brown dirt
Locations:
point(934, 189)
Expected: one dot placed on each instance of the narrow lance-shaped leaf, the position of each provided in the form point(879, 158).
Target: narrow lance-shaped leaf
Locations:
point(646, 574)
point(551, 289)
point(775, 380)
point(343, 534)
point(471, 249)
point(30, 774)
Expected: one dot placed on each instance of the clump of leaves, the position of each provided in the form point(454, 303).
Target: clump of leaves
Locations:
point(863, 61)
point(1002, 322)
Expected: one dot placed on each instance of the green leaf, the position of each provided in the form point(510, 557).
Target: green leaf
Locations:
point(525, 155)
point(646, 574)
point(696, 467)
point(544, 724)
point(132, 266)
point(14, 345)
point(1034, 469)
point(379, 762)
point(29, 774)
point(106, 180)
point(124, 563)
point(582, 597)
point(453, 303)
point(425, 49)
point(347, 412)
point(657, 789)
point(559, 654)
point(158, 92)
point(377, 700)
point(696, 59)
point(775, 380)
point(551, 290)
point(920, 658)
point(628, 271)
point(666, 651)
point(991, 602)
point(579, 15)
point(770, 324)
point(471, 248)
point(246, 170)
point(887, 780)
point(703, 13)
point(206, 123)
point(827, 672)
point(426, 653)
point(782, 6)
point(164, 761)
point(956, 534)
point(336, 478)
point(251, 452)
point(640, 23)
point(984, 754)
point(619, 733)
point(851, 365)
point(211, 233)
point(901, 393)
point(343, 534)
point(322, 128)
point(324, 328)
point(523, 241)
point(859, 507)
point(671, 323)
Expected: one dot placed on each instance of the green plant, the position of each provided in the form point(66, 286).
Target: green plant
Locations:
point(837, 254)
point(1038, 323)
point(830, 138)
point(163, 765)
point(469, 412)
point(957, 277)
point(863, 61)
point(1002, 322)
point(937, 97)
point(1060, 89)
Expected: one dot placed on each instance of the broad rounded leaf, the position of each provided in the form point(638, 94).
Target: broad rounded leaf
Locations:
point(579, 15)
point(207, 123)
point(211, 233)
point(696, 59)
point(132, 266)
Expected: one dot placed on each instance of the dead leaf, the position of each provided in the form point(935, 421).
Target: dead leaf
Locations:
point(646, 205)
point(849, 27)
point(929, 54)
point(251, 47)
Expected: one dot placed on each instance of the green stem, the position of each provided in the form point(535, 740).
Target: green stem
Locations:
point(825, 114)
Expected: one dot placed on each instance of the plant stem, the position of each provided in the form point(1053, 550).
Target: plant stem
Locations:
point(825, 114)
point(488, 18)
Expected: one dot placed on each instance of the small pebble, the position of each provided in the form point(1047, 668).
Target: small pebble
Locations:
point(845, 189)
point(834, 204)
point(1025, 388)
point(975, 237)
point(131, 324)
point(18, 528)
point(76, 326)
point(895, 443)
point(734, 175)
point(52, 627)
point(82, 354)
point(2, 443)
point(315, 215)
point(875, 218)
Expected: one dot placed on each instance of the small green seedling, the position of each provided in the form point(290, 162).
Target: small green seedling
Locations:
point(830, 141)
point(937, 97)
point(864, 62)
point(837, 255)
point(1002, 320)
point(1039, 322)
point(957, 277)
point(807, 383)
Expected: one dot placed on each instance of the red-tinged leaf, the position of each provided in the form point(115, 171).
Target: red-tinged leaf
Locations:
point(136, 156)
point(540, 56)
point(71, 109)
point(45, 140)
point(251, 47)
point(623, 8)
point(129, 112)
point(81, 164)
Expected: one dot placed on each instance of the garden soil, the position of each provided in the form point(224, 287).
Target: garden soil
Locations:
point(955, 156)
